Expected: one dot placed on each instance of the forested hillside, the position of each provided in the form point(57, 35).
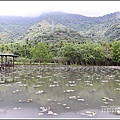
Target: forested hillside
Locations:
point(58, 26)
point(52, 32)
point(113, 31)
point(62, 38)
point(13, 28)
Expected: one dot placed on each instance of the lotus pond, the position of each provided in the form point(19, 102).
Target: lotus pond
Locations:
point(60, 92)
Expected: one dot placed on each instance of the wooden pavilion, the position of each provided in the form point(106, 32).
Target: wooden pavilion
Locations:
point(6, 62)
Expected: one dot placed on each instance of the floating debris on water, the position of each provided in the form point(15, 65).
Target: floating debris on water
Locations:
point(39, 76)
point(68, 91)
point(25, 101)
point(117, 89)
point(40, 92)
point(50, 112)
point(40, 82)
point(49, 100)
point(46, 110)
point(111, 100)
point(71, 82)
point(50, 79)
point(92, 90)
point(55, 82)
point(36, 86)
point(67, 107)
point(107, 99)
point(23, 85)
point(17, 91)
point(29, 100)
point(55, 85)
point(118, 110)
point(59, 103)
point(117, 80)
point(82, 113)
point(106, 103)
point(87, 81)
point(40, 113)
point(19, 82)
point(52, 85)
point(22, 101)
point(55, 114)
point(73, 97)
point(64, 104)
point(89, 84)
point(15, 108)
point(80, 100)
point(104, 100)
point(67, 84)
point(89, 114)
point(72, 85)
point(105, 81)
point(8, 85)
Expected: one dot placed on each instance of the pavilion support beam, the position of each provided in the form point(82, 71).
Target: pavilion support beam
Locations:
point(13, 62)
point(1, 62)
point(5, 61)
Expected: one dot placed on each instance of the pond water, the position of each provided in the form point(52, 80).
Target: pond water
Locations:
point(53, 92)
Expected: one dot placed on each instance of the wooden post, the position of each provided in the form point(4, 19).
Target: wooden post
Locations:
point(5, 62)
point(13, 62)
point(1, 62)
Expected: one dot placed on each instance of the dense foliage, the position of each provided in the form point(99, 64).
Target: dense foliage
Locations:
point(116, 52)
point(68, 52)
point(40, 53)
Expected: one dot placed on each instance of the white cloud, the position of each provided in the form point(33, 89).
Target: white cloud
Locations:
point(35, 8)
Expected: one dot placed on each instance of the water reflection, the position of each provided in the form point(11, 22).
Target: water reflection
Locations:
point(66, 91)
point(53, 87)
point(7, 78)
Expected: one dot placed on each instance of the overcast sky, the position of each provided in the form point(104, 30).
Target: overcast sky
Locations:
point(35, 8)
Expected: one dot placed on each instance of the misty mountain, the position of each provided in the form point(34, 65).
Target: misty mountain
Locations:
point(13, 28)
point(56, 26)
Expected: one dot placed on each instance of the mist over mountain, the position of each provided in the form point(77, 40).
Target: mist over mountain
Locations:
point(56, 26)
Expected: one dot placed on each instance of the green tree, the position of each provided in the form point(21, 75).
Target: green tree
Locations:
point(69, 50)
point(84, 54)
point(116, 52)
point(40, 53)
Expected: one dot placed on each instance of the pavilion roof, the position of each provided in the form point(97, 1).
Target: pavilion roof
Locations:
point(7, 54)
